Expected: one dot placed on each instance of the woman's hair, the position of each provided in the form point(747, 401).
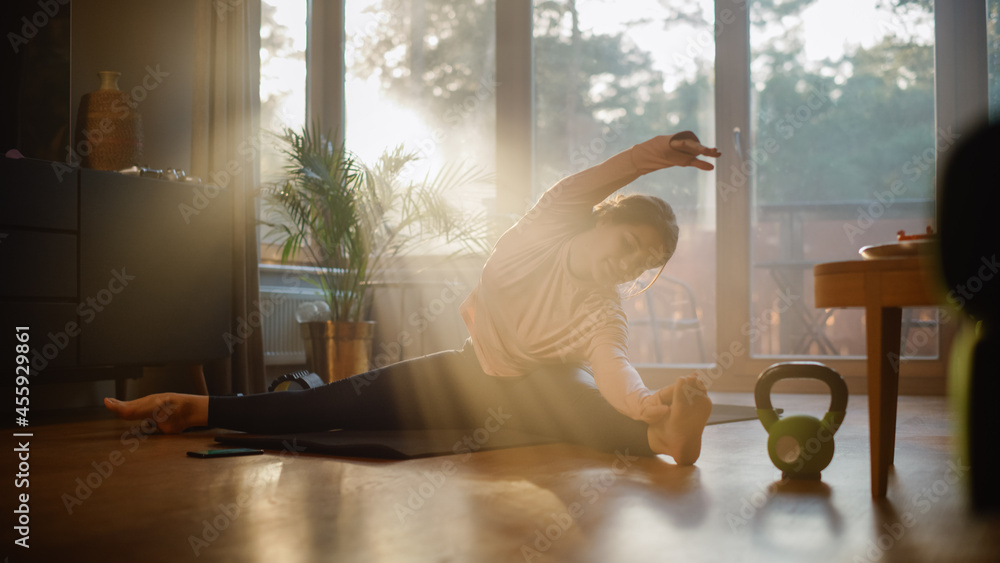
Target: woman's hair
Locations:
point(641, 209)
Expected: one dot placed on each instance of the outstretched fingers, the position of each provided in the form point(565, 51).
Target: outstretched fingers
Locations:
point(694, 149)
point(702, 165)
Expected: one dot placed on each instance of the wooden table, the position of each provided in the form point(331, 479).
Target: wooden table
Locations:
point(883, 287)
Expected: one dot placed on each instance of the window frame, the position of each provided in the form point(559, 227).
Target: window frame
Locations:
point(325, 66)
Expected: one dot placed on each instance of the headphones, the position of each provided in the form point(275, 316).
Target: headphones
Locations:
point(800, 446)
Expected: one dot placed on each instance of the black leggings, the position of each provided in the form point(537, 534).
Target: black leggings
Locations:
point(443, 390)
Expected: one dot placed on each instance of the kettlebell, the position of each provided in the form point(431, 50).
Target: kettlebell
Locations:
point(800, 445)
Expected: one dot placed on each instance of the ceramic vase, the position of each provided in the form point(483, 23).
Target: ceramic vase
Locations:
point(109, 129)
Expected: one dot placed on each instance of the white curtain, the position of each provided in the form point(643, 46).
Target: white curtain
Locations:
point(224, 150)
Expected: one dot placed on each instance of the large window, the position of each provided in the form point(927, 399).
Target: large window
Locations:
point(825, 111)
point(609, 75)
point(843, 153)
point(420, 73)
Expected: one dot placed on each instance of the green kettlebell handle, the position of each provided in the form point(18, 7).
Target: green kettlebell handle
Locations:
point(801, 370)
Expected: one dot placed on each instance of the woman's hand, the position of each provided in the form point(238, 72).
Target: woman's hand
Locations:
point(680, 149)
point(657, 405)
point(693, 148)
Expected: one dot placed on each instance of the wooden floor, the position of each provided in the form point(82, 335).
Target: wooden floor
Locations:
point(105, 491)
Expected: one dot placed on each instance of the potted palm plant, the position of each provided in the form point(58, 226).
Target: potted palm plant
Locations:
point(350, 221)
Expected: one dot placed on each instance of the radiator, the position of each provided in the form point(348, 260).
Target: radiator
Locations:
point(282, 340)
point(413, 318)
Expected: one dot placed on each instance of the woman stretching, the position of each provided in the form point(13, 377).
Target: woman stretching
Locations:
point(548, 344)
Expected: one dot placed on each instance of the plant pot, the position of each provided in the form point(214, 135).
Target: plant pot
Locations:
point(337, 350)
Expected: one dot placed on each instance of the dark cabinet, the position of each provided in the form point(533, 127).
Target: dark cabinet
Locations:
point(108, 269)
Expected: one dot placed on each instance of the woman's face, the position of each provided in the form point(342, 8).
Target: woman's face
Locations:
point(624, 251)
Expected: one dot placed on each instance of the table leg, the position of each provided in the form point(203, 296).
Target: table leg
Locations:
point(883, 325)
point(891, 326)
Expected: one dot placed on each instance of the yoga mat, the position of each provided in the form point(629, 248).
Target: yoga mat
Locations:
point(408, 444)
point(733, 413)
point(388, 444)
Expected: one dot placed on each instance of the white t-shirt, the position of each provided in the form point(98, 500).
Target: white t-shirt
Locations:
point(528, 310)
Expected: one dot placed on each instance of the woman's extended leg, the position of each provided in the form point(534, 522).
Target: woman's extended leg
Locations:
point(424, 392)
point(432, 391)
point(444, 390)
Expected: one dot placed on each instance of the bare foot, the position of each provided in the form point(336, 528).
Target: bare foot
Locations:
point(679, 433)
point(172, 412)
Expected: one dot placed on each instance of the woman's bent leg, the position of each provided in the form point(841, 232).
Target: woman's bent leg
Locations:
point(563, 402)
